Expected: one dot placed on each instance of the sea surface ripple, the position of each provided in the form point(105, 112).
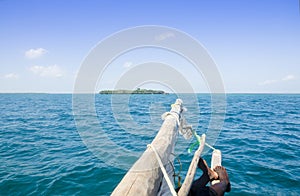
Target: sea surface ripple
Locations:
point(42, 153)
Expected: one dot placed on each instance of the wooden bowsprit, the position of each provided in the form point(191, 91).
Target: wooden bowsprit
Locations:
point(145, 177)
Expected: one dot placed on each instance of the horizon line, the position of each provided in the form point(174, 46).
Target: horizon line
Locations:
point(165, 92)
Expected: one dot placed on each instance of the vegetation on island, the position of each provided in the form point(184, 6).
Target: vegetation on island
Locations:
point(137, 91)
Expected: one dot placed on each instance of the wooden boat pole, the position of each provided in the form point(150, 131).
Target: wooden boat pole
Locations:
point(145, 176)
point(186, 186)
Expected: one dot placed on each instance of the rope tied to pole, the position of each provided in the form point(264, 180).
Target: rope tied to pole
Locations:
point(198, 142)
point(176, 111)
point(163, 169)
point(176, 174)
point(172, 113)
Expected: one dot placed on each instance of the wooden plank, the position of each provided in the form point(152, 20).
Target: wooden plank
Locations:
point(186, 186)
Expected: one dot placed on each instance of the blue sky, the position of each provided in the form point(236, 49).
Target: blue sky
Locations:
point(255, 44)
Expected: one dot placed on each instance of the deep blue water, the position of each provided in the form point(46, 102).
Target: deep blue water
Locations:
point(43, 153)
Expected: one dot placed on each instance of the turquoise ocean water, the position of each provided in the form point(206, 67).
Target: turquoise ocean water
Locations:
point(42, 152)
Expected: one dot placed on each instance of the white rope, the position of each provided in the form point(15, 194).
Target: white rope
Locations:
point(176, 116)
point(184, 129)
point(197, 136)
point(163, 170)
point(206, 144)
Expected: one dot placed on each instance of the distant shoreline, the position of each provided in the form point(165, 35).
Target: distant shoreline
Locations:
point(203, 93)
point(137, 91)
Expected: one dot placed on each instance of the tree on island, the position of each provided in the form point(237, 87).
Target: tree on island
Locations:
point(137, 91)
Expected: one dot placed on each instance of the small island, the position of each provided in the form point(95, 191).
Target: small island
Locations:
point(137, 91)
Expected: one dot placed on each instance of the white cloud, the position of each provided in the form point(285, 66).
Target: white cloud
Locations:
point(47, 71)
point(288, 77)
point(127, 64)
point(11, 76)
point(35, 53)
point(266, 82)
point(164, 36)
